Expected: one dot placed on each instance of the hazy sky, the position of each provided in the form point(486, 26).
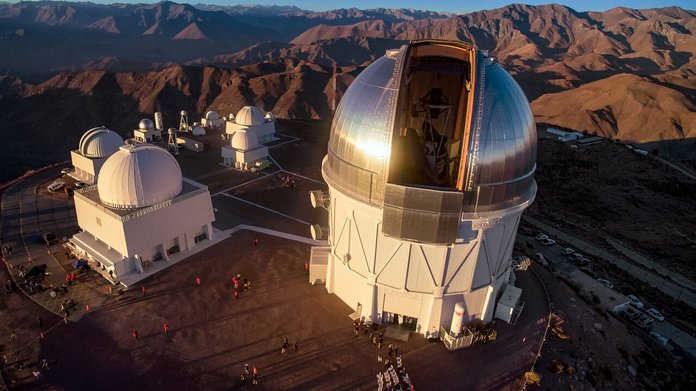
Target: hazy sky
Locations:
point(458, 6)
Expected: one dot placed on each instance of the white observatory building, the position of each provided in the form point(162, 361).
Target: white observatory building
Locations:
point(212, 119)
point(430, 164)
point(147, 132)
point(244, 152)
point(141, 211)
point(251, 117)
point(95, 146)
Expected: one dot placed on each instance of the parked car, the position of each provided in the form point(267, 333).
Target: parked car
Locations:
point(567, 251)
point(49, 238)
point(55, 186)
point(547, 242)
point(541, 237)
point(635, 301)
point(605, 283)
point(576, 256)
point(581, 261)
point(79, 185)
point(655, 314)
point(659, 338)
point(67, 170)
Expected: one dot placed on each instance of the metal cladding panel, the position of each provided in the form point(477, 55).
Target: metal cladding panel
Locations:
point(423, 215)
point(502, 151)
point(361, 132)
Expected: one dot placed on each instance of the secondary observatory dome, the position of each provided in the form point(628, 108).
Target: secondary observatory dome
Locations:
point(212, 115)
point(146, 124)
point(489, 143)
point(245, 139)
point(249, 115)
point(137, 176)
point(99, 142)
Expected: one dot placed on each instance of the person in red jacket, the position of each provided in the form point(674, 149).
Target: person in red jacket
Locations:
point(134, 334)
point(166, 328)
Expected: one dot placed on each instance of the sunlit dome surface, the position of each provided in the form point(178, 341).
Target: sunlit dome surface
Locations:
point(212, 115)
point(137, 176)
point(146, 124)
point(500, 153)
point(245, 139)
point(99, 142)
point(249, 115)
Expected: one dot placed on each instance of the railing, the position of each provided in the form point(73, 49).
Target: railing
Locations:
point(143, 211)
point(454, 343)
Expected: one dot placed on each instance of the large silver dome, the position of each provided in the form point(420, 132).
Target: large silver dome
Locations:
point(137, 176)
point(444, 98)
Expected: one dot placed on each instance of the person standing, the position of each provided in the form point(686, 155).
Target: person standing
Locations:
point(39, 322)
point(256, 242)
point(166, 327)
point(246, 369)
point(73, 277)
point(198, 281)
point(143, 290)
point(380, 339)
point(67, 279)
point(236, 294)
point(134, 334)
point(255, 372)
point(296, 347)
point(13, 335)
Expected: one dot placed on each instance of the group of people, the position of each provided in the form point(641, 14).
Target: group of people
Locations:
point(285, 345)
point(240, 284)
point(66, 306)
point(250, 373)
point(393, 379)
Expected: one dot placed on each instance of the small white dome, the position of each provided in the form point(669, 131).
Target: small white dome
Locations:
point(231, 117)
point(245, 139)
point(137, 176)
point(183, 112)
point(212, 115)
point(99, 142)
point(198, 131)
point(146, 124)
point(249, 115)
point(270, 116)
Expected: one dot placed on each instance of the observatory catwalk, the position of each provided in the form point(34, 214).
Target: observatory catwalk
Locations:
point(430, 164)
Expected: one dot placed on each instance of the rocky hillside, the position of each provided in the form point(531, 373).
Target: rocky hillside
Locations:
point(623, 73)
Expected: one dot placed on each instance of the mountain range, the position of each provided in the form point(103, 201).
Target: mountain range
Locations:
point(624, 73)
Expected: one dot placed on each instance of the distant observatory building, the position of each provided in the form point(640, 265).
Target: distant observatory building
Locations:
point(141, 211)
point(147, 132)
point(251, 117)
point(244, 152)
point(212, 119)
point(430, 164)
point(96, 145)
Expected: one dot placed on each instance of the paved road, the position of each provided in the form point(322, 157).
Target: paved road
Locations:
point(26, 214)
point(650, 277)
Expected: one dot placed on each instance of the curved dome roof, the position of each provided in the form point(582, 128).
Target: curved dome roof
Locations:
point(270, 116)
point(501, 148)
point(146, 124)
point(137, 176)
point(245, 139)
point(99, 142)
point(212, 115)
point(249, 115)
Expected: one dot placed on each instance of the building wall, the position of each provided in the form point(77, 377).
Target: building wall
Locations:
point(421, 280)
point(85, 167)
point(100, 223)
point(178, 220)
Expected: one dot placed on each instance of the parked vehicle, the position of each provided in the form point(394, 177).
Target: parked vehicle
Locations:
point(541, 237)
point(581, 261)
point(605, 283)
point(567, 251)
point(635, 301)
point(655, 314)
point(659, 338)
point(55, 186)
point(548, 242)
point(49, 238)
